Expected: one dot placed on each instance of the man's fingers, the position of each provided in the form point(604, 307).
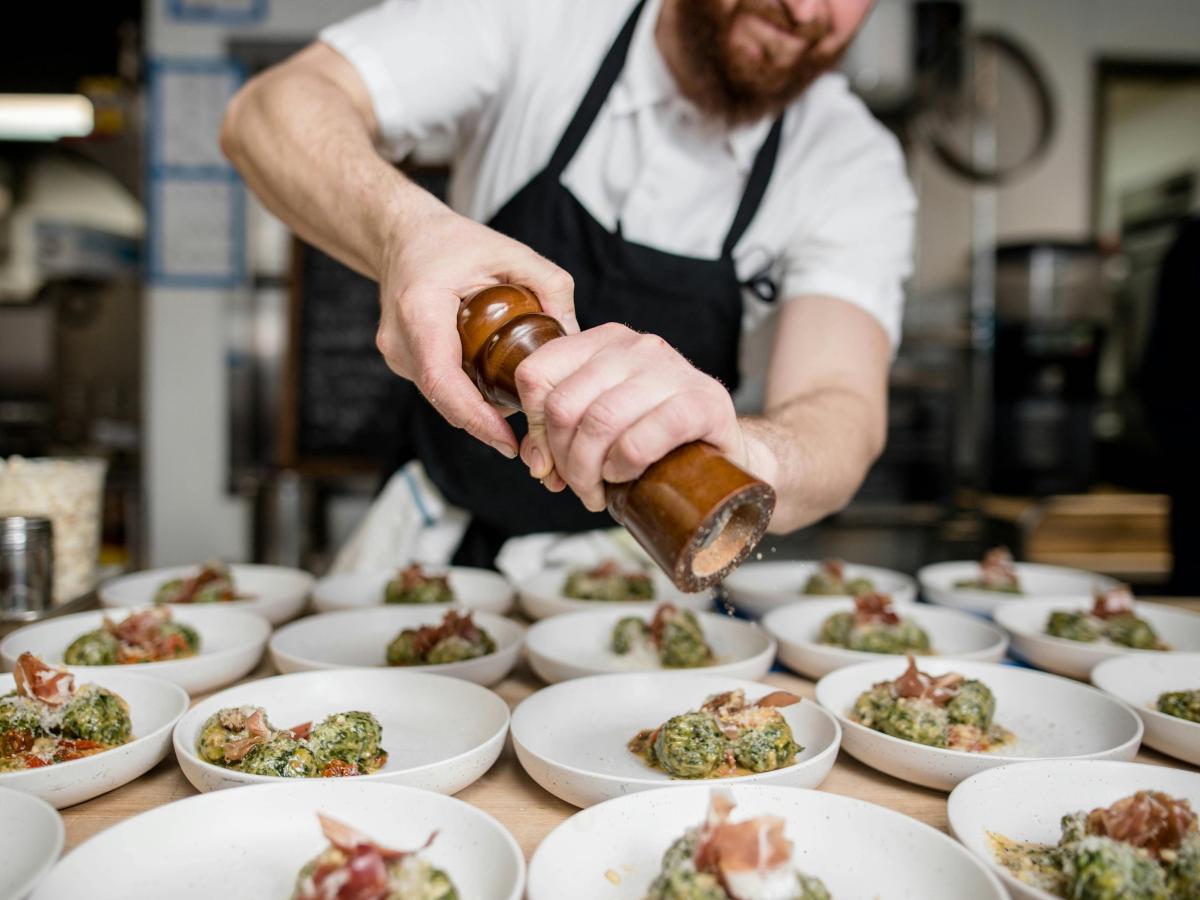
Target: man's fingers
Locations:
point(682, 418)
point(541, 373)
point(554, 287)
point(460, 403)
point(618, 404)
point(439, 376)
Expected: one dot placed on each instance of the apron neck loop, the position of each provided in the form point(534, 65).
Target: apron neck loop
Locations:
point(756, 187)
point(597, 93)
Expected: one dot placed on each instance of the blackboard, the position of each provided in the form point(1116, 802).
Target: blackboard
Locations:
point(346, 407)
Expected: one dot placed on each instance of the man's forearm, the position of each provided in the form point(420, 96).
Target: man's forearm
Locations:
point(304, 149)
point(815, 450)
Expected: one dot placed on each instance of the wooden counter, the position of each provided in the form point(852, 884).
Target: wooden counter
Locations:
point(526, 810)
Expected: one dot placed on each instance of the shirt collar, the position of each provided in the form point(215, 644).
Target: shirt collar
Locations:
point(646, 81)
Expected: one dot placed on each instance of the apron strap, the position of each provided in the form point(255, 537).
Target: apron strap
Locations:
point(593, 100)
point(756, 187)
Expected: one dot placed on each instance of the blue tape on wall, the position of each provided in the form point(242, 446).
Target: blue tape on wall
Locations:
point(195, 199)
point(217, 12)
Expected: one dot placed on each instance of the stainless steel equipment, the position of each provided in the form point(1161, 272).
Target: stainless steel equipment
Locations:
point(26, 567)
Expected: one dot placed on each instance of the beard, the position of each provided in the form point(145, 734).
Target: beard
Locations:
point(722, 81)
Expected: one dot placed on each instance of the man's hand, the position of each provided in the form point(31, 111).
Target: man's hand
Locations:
point(438, 258)
point(605, 403)
point(303, 135)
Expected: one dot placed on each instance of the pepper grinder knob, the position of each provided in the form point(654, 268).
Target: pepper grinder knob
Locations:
point(694, 511)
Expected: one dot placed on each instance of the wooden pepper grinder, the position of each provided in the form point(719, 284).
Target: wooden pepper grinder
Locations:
point(696, 513)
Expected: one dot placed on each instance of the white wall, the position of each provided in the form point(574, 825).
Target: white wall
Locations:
point(1066, 37)
point(190, 514)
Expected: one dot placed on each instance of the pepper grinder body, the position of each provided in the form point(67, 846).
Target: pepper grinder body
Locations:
point(696, 513)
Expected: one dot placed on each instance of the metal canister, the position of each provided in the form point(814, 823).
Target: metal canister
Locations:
point(26, 567)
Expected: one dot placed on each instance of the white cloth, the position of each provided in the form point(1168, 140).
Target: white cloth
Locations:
point(523, 557)
point(498, 80)
point(408, 522)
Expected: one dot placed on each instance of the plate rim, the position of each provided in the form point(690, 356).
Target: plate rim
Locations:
point(183, 750)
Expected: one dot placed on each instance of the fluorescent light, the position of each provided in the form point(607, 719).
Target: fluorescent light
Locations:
point(44, 117)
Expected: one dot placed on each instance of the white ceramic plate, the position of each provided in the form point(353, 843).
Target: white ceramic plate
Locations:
point(578, 644)
point(440, 733)
point(476, 588)
point(1027, 802)
point(276, 593)
point(32, 839)
point(1139, 679)
point(231, 644)
point(1025, 622)
point(1037, 580)
point(253, 842)
point(613, 851)
point(759, 587)
point(954, 634)
point(1053, 718)
point(346, 640)
point(542, 596)
point(571, 737)
point(154, 707)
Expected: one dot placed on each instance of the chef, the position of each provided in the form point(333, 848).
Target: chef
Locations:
point(684, 184)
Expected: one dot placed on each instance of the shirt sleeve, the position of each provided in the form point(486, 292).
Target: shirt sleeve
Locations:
point(431, 67)
point(857, 244)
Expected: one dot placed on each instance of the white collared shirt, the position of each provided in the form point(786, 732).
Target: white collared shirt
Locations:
point(500, 79)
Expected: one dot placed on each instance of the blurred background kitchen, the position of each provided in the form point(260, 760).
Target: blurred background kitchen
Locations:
point(154, 316)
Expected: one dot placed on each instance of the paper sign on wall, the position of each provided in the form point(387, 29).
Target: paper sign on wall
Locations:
point(196, 199)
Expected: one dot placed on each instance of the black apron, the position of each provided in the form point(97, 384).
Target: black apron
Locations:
point(694, 304)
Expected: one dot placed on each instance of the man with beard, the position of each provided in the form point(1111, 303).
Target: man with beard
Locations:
point(683, 184)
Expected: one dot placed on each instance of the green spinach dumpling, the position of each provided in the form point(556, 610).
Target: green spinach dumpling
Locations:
point(281, 756)
point(690, 745)
point(96, 648)
point(349, 737)
point(1181, 704)
point(97, 714)
point(414, 585)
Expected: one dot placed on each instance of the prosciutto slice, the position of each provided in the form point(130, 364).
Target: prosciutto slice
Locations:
point(1114, 602)
point(835, 569)
point(362, 875)
point(38, 681)
point(915, 684)
point(453, 624)
point(997, 569)
point(733, 850)
point(1151, 820)
point(874, 608)
point(257, 732)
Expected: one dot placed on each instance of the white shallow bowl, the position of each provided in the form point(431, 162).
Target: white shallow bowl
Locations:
point(571, 737)
point(954, 634)
point(344, 640)
point(1053, 718)
point(477, 588)
point(32, 839)
point(1025, 622)
point(154, 707)
point(231, 644)
point(440, 733)
point(1026, 802)
point(253, 842)
point(614, 850)
point(1037, 580)
point(756, 588)
point(577, 644)
point(541, 596)
point(276, 593)
point(1139, 679)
